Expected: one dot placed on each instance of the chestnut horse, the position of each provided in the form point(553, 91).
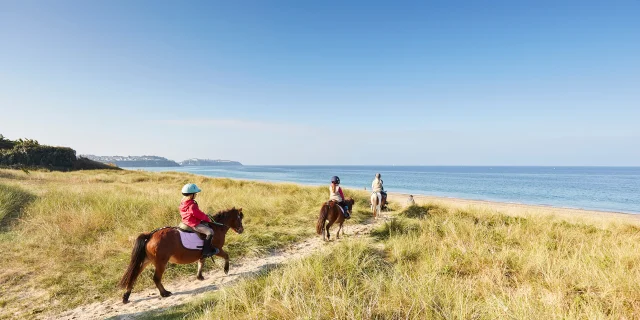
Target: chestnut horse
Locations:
point(164, 245)
point(331, 211)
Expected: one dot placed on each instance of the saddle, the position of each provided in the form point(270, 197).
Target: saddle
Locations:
point(185, 228)
point(192, 239)
point(337, 203)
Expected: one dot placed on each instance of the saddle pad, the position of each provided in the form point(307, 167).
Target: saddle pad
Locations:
point(339, 206)
point(190, 240)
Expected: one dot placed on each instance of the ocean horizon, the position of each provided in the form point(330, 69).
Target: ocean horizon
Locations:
point(601, 188)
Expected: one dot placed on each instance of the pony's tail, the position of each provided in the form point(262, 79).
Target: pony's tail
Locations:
point(138, 255)
point(321, 218)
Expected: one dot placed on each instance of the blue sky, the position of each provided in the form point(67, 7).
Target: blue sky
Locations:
point(327, 82)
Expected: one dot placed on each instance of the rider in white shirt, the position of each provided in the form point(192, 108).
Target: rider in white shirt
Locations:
point(377, 187)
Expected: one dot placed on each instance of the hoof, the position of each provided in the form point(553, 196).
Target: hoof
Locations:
point(200, 278)
point(166, 294)
point(125, 297)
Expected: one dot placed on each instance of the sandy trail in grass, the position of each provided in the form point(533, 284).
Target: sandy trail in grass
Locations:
point(186, 290)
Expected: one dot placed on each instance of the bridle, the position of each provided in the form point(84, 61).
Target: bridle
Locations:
point(224, 225)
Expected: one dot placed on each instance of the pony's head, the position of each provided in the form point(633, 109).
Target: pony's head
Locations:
point(232, 218)
point(349, 202)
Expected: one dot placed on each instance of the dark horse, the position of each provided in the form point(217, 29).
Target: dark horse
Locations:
point(164, 245)
point(331, 211)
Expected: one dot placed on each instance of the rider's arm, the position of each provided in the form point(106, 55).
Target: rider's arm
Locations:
point(341, 194)
point(198, 213)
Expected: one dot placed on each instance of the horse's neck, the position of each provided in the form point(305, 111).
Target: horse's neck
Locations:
point(223, 224)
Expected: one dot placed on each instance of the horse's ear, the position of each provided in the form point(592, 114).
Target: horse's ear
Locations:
point(239, 209)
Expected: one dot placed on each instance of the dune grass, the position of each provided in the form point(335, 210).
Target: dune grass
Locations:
point(12, 202)
point(435, 263)
point(75, 230)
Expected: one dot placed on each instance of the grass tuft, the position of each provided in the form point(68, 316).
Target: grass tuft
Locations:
point(422, 212)
point(12, 202)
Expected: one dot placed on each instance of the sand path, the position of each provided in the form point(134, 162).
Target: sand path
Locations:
point(185, 290)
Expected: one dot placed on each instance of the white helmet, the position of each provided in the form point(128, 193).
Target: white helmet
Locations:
point(190, 188)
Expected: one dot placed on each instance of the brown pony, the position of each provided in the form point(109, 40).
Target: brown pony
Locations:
point(331, 211)
point(164, 245)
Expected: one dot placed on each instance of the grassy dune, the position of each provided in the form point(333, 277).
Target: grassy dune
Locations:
point(66, 238)
point(437, 263)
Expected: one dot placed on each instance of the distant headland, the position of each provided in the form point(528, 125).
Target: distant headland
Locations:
point(134, 161)
point(209, 162)
point(156, 161)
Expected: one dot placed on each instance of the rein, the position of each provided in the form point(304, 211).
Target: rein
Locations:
point(221, 224)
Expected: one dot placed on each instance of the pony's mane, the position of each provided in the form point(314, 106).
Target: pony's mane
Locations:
point(223, 214)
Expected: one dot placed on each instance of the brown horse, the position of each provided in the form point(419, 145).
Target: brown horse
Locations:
point(331, 211)
point(164, 245)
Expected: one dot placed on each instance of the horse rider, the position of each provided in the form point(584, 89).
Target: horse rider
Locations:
point(335, 194)
point(193, 217)
point(378, 189)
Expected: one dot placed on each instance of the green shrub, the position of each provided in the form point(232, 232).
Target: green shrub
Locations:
point(35, 155)
point(27, 153)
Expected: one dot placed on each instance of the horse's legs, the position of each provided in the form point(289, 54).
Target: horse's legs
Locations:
point(157, 277)
point(125, 296)
point(324, 233)
point(224, 255)
point(338, 233)
point(373, 205)
point(200, 265)
point(331, 221)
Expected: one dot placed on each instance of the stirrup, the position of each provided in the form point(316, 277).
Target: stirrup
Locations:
point(211, 253)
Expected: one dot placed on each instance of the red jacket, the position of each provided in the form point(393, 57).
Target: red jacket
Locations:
point(191, 214)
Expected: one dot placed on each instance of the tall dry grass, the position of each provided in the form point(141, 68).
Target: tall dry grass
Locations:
point(435, 263)
point(73, 231)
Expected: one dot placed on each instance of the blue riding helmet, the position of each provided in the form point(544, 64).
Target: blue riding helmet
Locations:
point(335, 179)
point(190, 188)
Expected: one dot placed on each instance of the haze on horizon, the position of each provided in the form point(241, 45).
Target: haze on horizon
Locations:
point(331, 82)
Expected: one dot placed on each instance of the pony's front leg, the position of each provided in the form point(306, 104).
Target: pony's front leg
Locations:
point(224, 255)
point(338, 233)
point(200, 265)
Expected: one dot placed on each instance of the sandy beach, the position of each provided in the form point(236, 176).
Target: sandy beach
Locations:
point(576, 215)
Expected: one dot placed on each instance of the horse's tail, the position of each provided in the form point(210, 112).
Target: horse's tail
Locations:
point(321, 218)
point(138, 255)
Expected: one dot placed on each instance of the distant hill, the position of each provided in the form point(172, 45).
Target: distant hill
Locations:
point(28, 153)
point(209, 162)
point(134, 161)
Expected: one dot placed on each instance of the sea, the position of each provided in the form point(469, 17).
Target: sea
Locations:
point(594, 188)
